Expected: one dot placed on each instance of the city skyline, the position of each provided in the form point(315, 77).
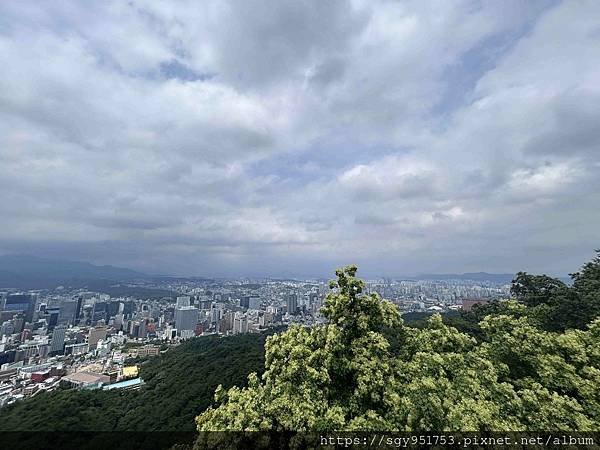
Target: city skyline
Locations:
point(269, 139)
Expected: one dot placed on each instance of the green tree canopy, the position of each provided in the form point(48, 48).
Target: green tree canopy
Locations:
point(344, 375)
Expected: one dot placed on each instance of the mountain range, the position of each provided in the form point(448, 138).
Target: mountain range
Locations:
point(32, 272)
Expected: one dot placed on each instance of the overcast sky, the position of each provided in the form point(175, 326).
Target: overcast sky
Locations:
point(289, 138)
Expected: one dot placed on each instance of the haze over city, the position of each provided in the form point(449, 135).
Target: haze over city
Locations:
point(289, 138)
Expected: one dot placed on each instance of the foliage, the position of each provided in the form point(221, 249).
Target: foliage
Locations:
point(345, 375)
point(551, 304)
point(179, 385)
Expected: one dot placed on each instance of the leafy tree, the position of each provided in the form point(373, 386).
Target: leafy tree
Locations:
point(345, 375)
point(534, 290)
point(551, 304)
point(320, 378)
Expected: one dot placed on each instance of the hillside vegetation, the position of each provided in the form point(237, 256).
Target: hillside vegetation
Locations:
point(179, 385)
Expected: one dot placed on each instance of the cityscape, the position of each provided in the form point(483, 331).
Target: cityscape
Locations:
point(82, 339)
point(282, 224)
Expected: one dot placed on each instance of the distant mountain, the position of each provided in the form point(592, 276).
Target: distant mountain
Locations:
point(31, 272)
point(500, 278)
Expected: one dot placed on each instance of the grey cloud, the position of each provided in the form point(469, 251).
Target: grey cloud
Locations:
point(130, 133)
point(572, 128)
point(266, 41)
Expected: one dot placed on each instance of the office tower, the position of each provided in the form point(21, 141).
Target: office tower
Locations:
point(186, 318)
point(128, 309)
point(79, 308)
point(18, 303)
point(51, 316)
point(99, 312)
point(58, 339)
point(68, 312)
point(183, 302)
point(292, 303)
point(112, 309)
point(95, 335)
point(244, 301)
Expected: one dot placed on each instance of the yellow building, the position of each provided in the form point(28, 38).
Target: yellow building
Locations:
point(130, 372)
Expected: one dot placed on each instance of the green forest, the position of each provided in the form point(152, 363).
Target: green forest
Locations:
point(179, 385)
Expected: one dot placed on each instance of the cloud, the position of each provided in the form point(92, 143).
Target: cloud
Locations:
point(269, 137)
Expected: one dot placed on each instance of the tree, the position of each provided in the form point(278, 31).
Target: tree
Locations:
point(534, 290)
point(337, 376)
point(344, 375)
point(551, 304)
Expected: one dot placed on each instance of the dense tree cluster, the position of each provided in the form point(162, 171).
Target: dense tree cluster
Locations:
point(179, 385)
point(531, 363)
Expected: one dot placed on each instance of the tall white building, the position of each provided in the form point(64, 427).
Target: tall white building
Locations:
point(240, 323)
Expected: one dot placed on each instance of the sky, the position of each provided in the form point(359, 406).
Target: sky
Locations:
point(270, 138)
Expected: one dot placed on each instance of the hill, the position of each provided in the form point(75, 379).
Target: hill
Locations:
point(179, 385)
point(31, 272)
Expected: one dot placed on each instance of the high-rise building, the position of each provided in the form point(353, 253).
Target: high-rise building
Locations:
point(128, 309)
point(113, 308)
point(215, 313)
point(95, 335)
point(68, 312)
point(292, 303)
point(58, 339)
point(186, 318)
point(18, 303)
point(51, 317)
point(99, 312)
point(240, 323)
point(226, 323)
point(143, 330)
point(79, 308)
